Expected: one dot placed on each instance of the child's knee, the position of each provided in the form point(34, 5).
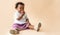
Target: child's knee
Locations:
point(14, 32)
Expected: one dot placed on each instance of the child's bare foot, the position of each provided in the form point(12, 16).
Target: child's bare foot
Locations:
point(39, 25)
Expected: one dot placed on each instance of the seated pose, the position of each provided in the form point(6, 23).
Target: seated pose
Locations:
point(21, 21)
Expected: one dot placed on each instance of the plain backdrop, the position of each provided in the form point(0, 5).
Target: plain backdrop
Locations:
point(45, 11)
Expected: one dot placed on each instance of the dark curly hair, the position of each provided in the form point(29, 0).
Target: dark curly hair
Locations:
point(19, 3)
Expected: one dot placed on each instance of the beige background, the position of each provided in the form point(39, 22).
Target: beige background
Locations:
point(45, 11)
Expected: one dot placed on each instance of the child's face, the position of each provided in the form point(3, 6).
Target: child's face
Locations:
point(20, 8)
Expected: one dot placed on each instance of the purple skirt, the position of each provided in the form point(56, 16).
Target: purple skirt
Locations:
point(21, 26)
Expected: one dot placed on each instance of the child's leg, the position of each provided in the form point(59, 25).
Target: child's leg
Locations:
point(14, 30)
point(31, 27)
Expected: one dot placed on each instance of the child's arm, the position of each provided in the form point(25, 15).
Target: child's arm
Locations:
point(27, 20)
point(22, 14)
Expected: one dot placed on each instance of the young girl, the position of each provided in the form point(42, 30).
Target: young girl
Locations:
point(21, 21)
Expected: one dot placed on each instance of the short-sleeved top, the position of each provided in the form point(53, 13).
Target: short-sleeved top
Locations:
point(22, 20)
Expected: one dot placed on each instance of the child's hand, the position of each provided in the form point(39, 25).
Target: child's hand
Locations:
point(22, 12)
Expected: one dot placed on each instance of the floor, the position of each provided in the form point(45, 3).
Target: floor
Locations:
point(32, 32)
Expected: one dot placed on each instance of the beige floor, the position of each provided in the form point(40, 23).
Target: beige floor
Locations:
point(31, 32)
point(45, 11)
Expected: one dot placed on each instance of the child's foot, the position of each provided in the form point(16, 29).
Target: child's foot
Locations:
point(39, 25)
point(14, 32)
